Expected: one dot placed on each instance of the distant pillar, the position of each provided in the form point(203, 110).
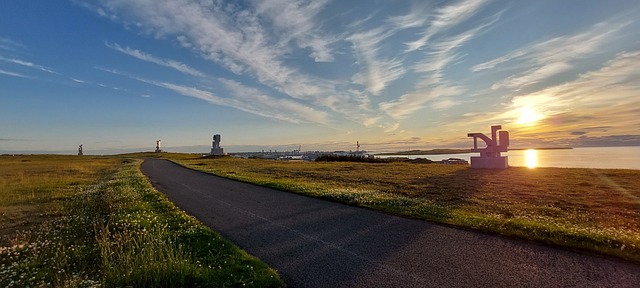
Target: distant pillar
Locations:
point(80, 150)
point(215, 149)
point(490, 156)
point(158, 150)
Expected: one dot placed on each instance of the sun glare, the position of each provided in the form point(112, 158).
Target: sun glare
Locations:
point(531, 158)
point(528, 116)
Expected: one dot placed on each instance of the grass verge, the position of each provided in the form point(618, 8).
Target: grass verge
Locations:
point(596, 210)
point(121, 232)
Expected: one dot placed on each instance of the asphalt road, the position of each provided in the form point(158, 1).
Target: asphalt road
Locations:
point(317, 243)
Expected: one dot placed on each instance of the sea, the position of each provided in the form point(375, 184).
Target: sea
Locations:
point(588, 157)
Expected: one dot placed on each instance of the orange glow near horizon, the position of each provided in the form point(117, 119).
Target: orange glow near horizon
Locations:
point(531, 158)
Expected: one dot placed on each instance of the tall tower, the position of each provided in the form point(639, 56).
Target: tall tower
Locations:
point(80, 150)
point(158, 150)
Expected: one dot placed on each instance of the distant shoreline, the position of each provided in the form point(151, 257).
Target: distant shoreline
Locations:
point(543, 148)
point(457, 151)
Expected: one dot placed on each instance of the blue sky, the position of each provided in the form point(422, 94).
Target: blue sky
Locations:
point(274, 74)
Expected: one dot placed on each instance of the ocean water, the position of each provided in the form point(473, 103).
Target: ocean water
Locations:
point(590, 157)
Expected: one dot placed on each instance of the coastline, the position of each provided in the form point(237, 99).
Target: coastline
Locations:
point(458, 151)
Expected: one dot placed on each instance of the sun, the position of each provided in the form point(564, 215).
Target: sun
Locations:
point(528, 116)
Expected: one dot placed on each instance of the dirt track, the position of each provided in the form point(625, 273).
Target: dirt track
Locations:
point(316, 243)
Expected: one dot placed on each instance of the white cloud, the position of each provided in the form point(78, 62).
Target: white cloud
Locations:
point(226, 34)
point(27, 64)
point(10, 45)
point(446, 17)
point(257, 102)
point(415, 101)
point(433, 90)
point(443, 52)
point(377, 73)
point(615, 84)
point(14, 74)
point(551, 57)
point(532, 76)
point(294, 20)
point(607, 96)
point(184, 68)
point(249, 100)
point(191, 92)
point(502, 59)
point(414, 19)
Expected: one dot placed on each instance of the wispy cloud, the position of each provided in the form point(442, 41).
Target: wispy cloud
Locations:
point(603, 97)
point(257, 102)
point(10, 45)
point(414, 19)
point(243, 98)
point(443, 52)
point(14, 74)
point(27, 64)
point(249, 100)
point(296, 21)
point(377, 73)
point(224, 33)
point(433, 89)
point(444, 18)
point(413, 102)
point(257, 43)
point(551, 57)
point(184, 68)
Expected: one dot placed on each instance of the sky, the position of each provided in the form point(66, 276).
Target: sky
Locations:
point(118, 75)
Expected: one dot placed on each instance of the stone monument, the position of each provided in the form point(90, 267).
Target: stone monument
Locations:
point(80, 150)
point(158, 150)
point(490, 156)
point(216, 150)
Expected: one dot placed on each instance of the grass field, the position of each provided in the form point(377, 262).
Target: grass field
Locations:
point(33, 188)
point(96, 222)
point(69, 221)
point(591, 209)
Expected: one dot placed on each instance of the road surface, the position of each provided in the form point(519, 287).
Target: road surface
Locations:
point(317, 243)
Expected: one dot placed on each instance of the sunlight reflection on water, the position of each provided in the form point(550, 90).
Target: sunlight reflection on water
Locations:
point(531, 158)
point(588, 157)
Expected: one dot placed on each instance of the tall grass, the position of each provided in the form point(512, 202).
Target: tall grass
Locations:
point(148, 242)
point(120, 232)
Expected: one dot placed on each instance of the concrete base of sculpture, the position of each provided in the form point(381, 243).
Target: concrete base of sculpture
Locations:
point(490, 162)
point(217, 152)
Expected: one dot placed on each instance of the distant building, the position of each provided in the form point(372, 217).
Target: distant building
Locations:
point(454, 161)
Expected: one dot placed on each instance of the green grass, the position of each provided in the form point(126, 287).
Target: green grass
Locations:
point(595, 210)
point(33, 188)
point(113, 229)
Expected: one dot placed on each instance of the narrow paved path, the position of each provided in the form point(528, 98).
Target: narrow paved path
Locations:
point(316, 243)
